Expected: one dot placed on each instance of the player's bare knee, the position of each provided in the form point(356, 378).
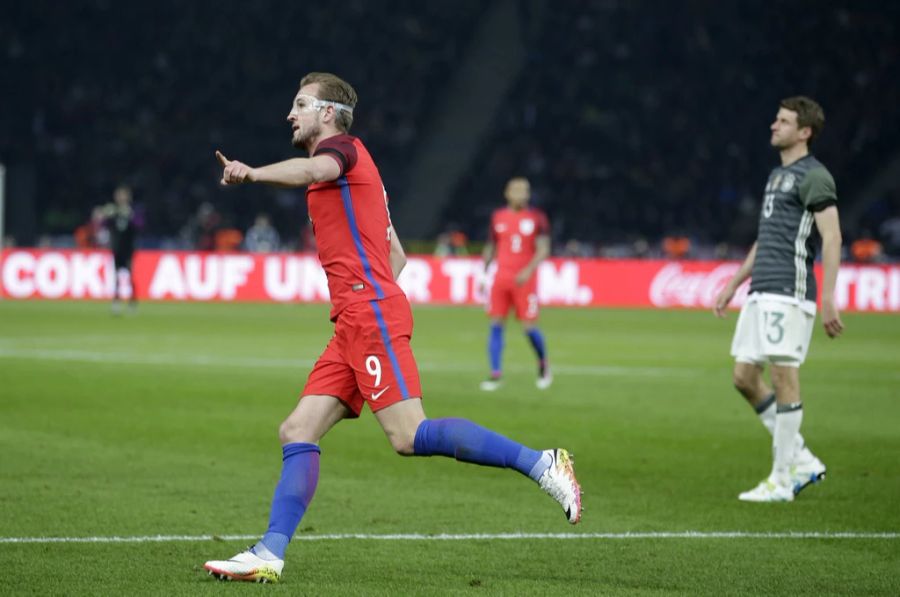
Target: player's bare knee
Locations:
point(293, 430)
point(403, 443)
point(741, 382)
point(786, 382)
point(746, 380)
point(403, 447)
point(285, 431)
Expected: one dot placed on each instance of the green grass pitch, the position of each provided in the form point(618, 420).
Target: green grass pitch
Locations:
point(165, 423)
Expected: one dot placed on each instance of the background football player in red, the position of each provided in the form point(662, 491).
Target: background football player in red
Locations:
point(519, 239)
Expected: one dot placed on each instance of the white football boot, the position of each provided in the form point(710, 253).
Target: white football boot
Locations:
point(246, 566)
point(559, 481)
point(491, 384)
point(768, 491)
point(807, 471)
point(545, 380)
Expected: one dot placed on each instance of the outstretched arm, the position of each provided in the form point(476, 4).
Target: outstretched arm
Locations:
point(742, 274)
point(296, 172)
point(830, 229)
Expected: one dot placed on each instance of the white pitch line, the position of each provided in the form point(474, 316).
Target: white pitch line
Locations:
point(88, 356)
point(474, 537)
point(192, 360)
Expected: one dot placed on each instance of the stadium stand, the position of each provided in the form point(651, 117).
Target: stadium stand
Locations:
point(642, 124)
point(146, 93)
point(635, 120)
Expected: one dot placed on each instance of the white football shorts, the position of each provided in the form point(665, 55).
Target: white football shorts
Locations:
point(773, 329)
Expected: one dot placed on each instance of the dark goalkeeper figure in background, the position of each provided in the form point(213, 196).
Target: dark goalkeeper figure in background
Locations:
point(120, 222)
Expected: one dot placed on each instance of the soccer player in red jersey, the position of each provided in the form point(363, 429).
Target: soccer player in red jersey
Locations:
point(369, 359)
point(519, 239)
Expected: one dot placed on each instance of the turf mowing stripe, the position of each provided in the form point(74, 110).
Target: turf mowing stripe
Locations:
point(192, 360)
point(472, 537)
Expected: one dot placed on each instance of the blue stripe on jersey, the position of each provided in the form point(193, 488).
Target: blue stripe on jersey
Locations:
point(386, 337)
point(357, 239)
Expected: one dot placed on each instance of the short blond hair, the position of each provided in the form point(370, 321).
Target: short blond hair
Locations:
point(332, 88)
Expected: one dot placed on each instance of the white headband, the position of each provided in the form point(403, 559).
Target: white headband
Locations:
point(336, 105)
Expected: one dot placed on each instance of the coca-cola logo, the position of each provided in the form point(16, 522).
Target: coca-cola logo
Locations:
point(674, 287)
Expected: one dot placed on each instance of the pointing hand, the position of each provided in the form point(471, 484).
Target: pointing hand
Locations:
point(234, 172)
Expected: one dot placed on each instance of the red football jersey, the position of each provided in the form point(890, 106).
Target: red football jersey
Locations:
point(514, 234)
point(351, 221)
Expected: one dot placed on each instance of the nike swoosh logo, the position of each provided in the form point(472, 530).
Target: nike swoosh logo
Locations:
point(378, 395)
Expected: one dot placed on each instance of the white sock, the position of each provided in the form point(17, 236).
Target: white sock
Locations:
point(263, 552)
point(802, 455)
point(784, 441)
point(765, 410)
point(541, 466)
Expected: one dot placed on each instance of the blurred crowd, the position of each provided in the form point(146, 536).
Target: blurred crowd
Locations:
point(636, 126)
point(642, 126)
point(145, 93)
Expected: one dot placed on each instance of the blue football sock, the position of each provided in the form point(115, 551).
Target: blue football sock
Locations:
point(537, 342)
point(299, 476)
point(495, 348)
point(468, 442)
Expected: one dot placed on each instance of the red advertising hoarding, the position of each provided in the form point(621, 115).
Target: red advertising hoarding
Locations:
point(193, 276)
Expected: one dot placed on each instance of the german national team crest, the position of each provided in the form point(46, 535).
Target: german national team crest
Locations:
point(526, 226)
point(774, 183)
point(788, 182)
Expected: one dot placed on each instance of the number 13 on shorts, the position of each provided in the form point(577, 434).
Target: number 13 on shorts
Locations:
point(774, 324)
point(785, 331)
